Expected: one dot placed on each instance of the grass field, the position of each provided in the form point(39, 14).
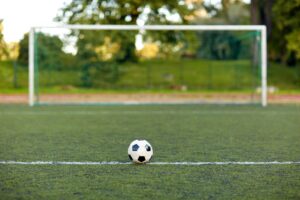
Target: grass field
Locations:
point(183, 133)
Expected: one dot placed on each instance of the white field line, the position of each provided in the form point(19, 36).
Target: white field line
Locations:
point(151, 163)
point(150, 112)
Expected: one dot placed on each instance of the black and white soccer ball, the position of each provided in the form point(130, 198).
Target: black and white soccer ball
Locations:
point(140, 151)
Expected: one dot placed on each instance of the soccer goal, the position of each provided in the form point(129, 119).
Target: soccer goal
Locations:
point(150, 64)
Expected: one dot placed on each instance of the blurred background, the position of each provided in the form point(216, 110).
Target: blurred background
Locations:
point(78, 62)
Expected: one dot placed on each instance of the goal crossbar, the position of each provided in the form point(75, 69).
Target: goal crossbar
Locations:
point(260, 28)
point(159, 27)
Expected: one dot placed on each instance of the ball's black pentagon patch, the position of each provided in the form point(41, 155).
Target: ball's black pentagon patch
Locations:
point(141, 158)
point(130, 157)
point(135, 147)
point(148, 148)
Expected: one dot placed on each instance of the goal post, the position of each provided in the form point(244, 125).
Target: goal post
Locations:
point(260, 45)
point(31, 67)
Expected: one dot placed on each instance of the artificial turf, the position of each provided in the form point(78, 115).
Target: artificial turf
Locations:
point(177, 133)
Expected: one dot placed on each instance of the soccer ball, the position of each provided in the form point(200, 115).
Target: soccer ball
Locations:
point(140, 151)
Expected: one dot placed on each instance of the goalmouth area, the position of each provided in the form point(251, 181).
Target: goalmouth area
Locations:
point(185, 58)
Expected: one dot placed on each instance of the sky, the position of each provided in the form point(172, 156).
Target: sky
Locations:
point(20, 15)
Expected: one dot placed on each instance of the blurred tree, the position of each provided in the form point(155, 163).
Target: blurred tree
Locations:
point(92, 43)
point(23, 51)
point(282, 19)
point(225, 12)
point(287, 24)
point(149, 50)
point(219, 46)
point(261, 13)
point(13, 50)
point(49, 52)
point(124, 12)
point(4, 54)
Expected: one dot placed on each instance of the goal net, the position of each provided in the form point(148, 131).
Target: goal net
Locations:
point(128, 64)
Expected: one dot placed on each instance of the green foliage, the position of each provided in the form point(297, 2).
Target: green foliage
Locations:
point(89, 43)
point(100, 52)
point(122, 12)
point(3, 46)
point(286, 38)
point(293, 42)
point(116, 12)
point(99, 74)
point(232, 12)
point(24, 50)
point(172, 43)
point(219, 46)
point(7, 75)
point(49, 52)
point(177, 133)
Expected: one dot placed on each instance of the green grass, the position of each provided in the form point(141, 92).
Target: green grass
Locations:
point(177, 133)
point(196, 74)
point(158, 75)
point(285, 78)
point(7, 74)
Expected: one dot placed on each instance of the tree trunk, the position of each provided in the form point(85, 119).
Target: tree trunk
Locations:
point(268, 15)
point(255, 20)
point(225, 9)
point(254, 10)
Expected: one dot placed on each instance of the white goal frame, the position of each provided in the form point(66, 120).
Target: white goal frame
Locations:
point(261, 28)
